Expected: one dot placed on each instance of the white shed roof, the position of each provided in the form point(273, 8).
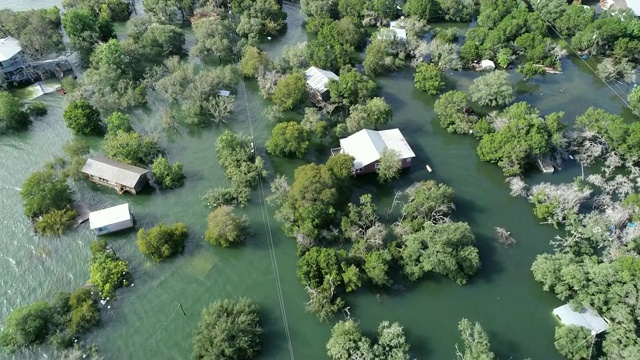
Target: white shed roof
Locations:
point(9, 47)
point(109, 216)
point(634, 5)
point(392, 33)
point(317, 78)
point(487, 65)
point(116, 171)
point(587, 318)
point(366, 146)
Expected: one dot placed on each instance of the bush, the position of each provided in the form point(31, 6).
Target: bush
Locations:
point(168, 176)
point(288, 138)
point(225, 228)
point(107, 271)
point(43, 192)
point(118, 121)
point(228, 330)
point(252, 61)
point(85, 313)
point(11, 114)
point(226, 196)
point(55, 222)
point(492, 89)
point(37, 108)
point(428, 78)
point(162, 241)
point(131, 147)
point(26, 325)
point(237, 158)
point(82, 118)
point(290, 91)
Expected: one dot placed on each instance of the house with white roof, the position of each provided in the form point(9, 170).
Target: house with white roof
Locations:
point(317, 81)
point(366, 146)
point(111, 219)
point(634, 5)
point(393, 32)
point(11, 55)
point(586, 318)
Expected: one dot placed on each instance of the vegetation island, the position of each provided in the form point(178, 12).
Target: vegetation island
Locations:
point(192, 64)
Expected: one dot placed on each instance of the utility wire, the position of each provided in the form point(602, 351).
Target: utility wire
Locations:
point(267, 222)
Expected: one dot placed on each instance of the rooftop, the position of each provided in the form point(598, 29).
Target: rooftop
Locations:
point(9, 47)
point(317, 78)
point(109, 216)
point(366, 146)
point(120, 173)
point(586, 318)
point(634, 5)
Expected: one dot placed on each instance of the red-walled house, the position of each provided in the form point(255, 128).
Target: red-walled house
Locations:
point(366, 146)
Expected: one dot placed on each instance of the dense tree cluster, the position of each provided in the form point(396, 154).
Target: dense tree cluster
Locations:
point(492, 89)
point(47, 199)
point(228, 330)
point(37, 30)
point(224, 227)
point(131, 147)
point(82, 118)
point(336, 42)
point(347, 342)
point(114, 10)
point(162, 241)
point(58, 322)
point(168, 176)
point(86, 29)
point(475, 342)
point(106, 270)
point(351, 88)
point(12, 115)
point(454, 111)
point(372, 114)
point(287, 139)
point(428, 78)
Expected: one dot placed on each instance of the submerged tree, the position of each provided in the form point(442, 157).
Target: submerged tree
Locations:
point(348, 343)
point(12, 116)
point(389, 166)
point(225, 228)
point(162, 241)
point(475, 342)
point(492, 89)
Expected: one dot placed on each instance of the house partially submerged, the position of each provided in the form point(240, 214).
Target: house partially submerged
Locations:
point(586, 318)
point(11, 55)
point(367, 146)
point(120, 176)
point(16, 67)
point(317, 80)
point(634, 5)
point(111, 219)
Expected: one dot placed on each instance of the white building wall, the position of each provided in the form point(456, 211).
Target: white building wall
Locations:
point(125, 224)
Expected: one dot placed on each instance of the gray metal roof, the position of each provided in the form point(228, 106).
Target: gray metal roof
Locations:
point(317, 78)
point(586, 318)
point(120, 173)
point(9, 47)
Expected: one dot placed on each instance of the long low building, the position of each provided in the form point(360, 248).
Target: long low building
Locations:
point(366, 146)
point(111, 219)
point(586, 318)
point(120, 176)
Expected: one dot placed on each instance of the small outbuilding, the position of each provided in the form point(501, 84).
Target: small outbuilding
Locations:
point(317, 80)
point(367, 146)
point(586, 318)
point(487, 65)
point(634, 5)
point(111, 219)
point(120, 176)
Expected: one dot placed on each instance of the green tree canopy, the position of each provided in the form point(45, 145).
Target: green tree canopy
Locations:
point(335, 44)
point(118, 121)
point(351, 88)
point(82, 118)
point(43, 192)
point(37, 30)
point(106, 270)
point(475, 342)
point(428, 78)
point(169, 176)
point(372, 115)
point(492, 89)
point(291, 91)
point(288, 138)
point(347, 342)
point(131, 147)
point(25, 326)
point(228, 330)
point(215, 37)
point(236, 155)
point(162, 241)
point(428, 202)
point(389, 166)
point(224, 227)
point(574, 342)
point(452, 110)
point(12, 116)
point(252, 61)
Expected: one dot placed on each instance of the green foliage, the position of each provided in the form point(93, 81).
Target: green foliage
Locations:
point(378, 60)
point(634, 100)
point(25, 326)
point(523, 137)
point(376, 266)
point(288, 138)
point(492, 89)
point(228, 330)
point(86, 29)
point(36, 108)
point(55, 222)
point(118, 121)
point(253, 60)
point(166, 11)
point(11, 114)
point(475, 342)
point(575, 18)
point(351, 277)
point(452, 110)
point(45, 191)
point(291, 91)
point(162, 241)
point(573, 342)
point(341, 166)
point(372, 115)
point(296, 57)
point(149, 43)
point(106, 270)
point(335, 44)
point(82, 118)
point(421, 9)
point(169, 176)
point(389, 166)
point(225, 228)
point(320, 268)
point(75, 151)
point(314, 122)
point(351, 88)
point(226, 196)
point(215, 36)
point(428, 78)
point(37, 30)
point(447, 248)
point(115, 10)
point(237, 158)
point(131, 147)
point(347, 342)
point(84, 311)
point(428, 202)
point(456, 10)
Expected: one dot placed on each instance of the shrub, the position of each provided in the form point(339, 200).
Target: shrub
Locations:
point(290, 91)
point(288, 138)
point(228, 330)
point(43, 192)
point(55, 222)
point(162, 241)
point(82, 118)
point(130, 147)
point(37, 108)
point(26, 325)
point(11, 114)
point(107, 271)
point(85, 313)
point(224, 227)
point(428, 78)
point(168, 176)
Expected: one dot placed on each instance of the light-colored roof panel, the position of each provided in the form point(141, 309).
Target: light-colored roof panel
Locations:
point(9, 47)
point(586, 318)
point(366, 146)
point(317, 78)
point(109, 216)
point(120, 173)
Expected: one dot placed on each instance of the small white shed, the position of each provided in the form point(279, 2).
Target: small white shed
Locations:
point(586, 318)
point(111, 219)
point(487, 65)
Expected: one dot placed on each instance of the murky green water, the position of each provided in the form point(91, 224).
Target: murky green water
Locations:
point(146, 322)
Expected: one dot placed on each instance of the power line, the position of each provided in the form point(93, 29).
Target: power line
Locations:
point(267, 222)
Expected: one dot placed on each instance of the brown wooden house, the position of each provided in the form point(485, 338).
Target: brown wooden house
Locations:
point(120, 176)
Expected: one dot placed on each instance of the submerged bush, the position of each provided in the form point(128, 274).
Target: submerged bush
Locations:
point(162, 241)
point(224, 227)
point(169, 176)
point(55, 222)
point(106, 270)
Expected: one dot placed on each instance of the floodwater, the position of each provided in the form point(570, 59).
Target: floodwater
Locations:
point(146, 321)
